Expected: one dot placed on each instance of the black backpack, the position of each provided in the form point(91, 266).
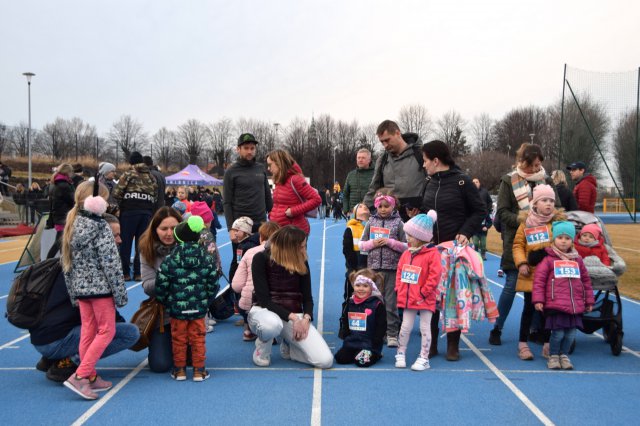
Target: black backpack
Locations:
point(222, 306)
point(29, 294)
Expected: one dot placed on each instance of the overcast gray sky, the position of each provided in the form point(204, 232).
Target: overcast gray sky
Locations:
point(164, 62)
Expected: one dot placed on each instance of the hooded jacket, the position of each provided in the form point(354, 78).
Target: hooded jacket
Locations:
point(62, 201)
point(137, 189)
point(96, 270)
point(455, 198)
point(568, 295)
point(187, 281)
point(356, 186)
point(585, 192)
point(368, 334)
point(418, 290)
point(284, 197)
point(246, 192)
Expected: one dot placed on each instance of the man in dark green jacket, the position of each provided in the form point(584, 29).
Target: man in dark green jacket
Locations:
point(358, 180)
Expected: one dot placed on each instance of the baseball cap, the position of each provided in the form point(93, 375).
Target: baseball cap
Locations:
point(576, 165)
point(246, 138)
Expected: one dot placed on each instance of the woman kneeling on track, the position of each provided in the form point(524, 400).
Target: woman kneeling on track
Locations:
point(283, 303)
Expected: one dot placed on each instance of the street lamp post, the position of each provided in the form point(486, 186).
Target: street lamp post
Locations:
point(29, 75)
point(531, 135)
point(334, 165)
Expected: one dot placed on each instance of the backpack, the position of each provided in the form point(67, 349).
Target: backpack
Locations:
point(29, 294)
point(416, 146)
point(222, 306)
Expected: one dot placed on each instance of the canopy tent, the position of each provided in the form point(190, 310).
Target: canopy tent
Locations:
point(192, 175)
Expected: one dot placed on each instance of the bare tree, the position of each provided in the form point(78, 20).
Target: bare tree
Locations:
point(4, 138)
point(450, 132)
point(488, 166)
point(264, 132)
point(296, 138)
point(517, 126)
point(482, 130)
point(192, 136)
point(624, 149)
point(220, 145)
point(416, 118)
point(163, 142)
point(19, 141)
point(128, 135)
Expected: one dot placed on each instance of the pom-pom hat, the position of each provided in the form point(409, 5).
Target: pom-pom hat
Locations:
point(542, 191)
point(189, 230)
point(420, 226)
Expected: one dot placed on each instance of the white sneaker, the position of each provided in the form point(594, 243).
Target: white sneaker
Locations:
point(401, 361)
point(392, 342)
point(421, 364)
point(285, 350)
point(262, 357)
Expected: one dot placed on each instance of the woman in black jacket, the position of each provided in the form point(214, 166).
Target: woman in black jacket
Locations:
point(61, 196)
point(455, 198)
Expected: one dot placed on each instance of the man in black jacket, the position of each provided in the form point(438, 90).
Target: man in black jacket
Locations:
point(57, 338)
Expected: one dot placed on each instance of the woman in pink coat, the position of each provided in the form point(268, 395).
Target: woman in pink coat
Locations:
point(292, 196)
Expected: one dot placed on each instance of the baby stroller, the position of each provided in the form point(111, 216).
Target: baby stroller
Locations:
point(607, 311)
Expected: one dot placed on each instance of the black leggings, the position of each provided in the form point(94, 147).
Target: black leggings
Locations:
point(348, 356)
point(56, 246)
point(525, 318)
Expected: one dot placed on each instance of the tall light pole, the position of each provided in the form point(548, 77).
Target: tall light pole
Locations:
point(334, 165)
point(29, 75)
point(531, 135)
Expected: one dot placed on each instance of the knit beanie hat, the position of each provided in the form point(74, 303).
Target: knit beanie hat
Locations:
point(542, 191)
point(179, 206)
point(244, 224)
point(189, 230)
point(135, 158)
point(563, 228)
point(106, 168)
point(420, 226)
point(593, 229)
point(200, 208)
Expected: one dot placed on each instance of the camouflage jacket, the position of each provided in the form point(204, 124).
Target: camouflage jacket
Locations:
point(137, 189)
point(187, 281)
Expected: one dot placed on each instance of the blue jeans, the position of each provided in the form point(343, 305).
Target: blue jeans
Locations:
point(126, 335)
point(561, 341)
point(160, 350)
point(506, 297)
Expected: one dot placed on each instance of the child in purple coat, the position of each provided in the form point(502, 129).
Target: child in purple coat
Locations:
point(562, 290)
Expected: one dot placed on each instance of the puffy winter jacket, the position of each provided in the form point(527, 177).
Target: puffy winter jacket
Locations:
point(569, 295)
point(455, 198)
point(522, 248)
point(600, 251)
point(243, 279)
point(61, 194)
point(366, 324)
point(356, 187)
point(385, 257)
point(284, 198)
point(137, 189)
point(96, 270)
point(417, 277)
point(585, 191)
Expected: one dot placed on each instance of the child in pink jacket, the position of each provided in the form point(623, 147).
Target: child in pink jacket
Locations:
point(417, 277)
point(242, 281)
point(562, 290)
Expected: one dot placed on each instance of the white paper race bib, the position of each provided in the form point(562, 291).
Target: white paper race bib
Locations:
point(238, 255)
point(566, 269)
point(357, 321)
point(537, 235)
point(410, 274)
point(375, 233)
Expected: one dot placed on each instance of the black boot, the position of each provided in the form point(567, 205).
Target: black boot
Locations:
point(494, 337)
point(453, 343)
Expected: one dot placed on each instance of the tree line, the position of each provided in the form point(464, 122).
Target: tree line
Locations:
point(483, 146)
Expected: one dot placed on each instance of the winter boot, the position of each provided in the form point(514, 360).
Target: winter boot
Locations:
point(453, 343)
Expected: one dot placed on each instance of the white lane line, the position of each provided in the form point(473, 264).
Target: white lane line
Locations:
point(6, 345)
point(2, 297)
point(517, 392)
point(627, 249)
point(102, 401)
point(7, 263)
point(316, 405)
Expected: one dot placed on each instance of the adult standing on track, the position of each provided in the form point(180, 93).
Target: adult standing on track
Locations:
point(61, 196)
point(460, 210)
point(292, 196)
point(155, 244)
point(284, 302)
point(586, 189)
point(567, 199)
point(358, 181)
point(136, 194)
point(399, 168)
point(160, 180)
point(514, 195)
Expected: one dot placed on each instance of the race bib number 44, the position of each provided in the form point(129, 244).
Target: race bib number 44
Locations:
point(410, 274)
point(537, 234)
point(375, 233)
point(357, 321)
point(566, 269)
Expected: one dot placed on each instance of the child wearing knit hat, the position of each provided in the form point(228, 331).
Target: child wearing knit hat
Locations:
point(417, 277)
point(562, 290)
point(533, 235)
point(588, 243)
point(186, 284)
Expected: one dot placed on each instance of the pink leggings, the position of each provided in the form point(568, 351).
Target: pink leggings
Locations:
point(408, 318)
point(98, 327)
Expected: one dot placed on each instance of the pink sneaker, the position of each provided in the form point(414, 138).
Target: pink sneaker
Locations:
point(81, 386)
point(99, 385)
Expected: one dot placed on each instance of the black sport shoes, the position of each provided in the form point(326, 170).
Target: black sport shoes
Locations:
point(494, 337)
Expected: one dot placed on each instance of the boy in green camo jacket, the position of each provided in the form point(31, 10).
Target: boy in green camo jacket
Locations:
point(186, 283)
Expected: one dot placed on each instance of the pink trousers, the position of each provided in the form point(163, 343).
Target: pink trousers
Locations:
point(96, 332)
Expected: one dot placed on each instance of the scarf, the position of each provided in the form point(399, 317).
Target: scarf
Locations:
point(591, 244)
point(520, 184)
point(570, 255)
point(536, 219)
